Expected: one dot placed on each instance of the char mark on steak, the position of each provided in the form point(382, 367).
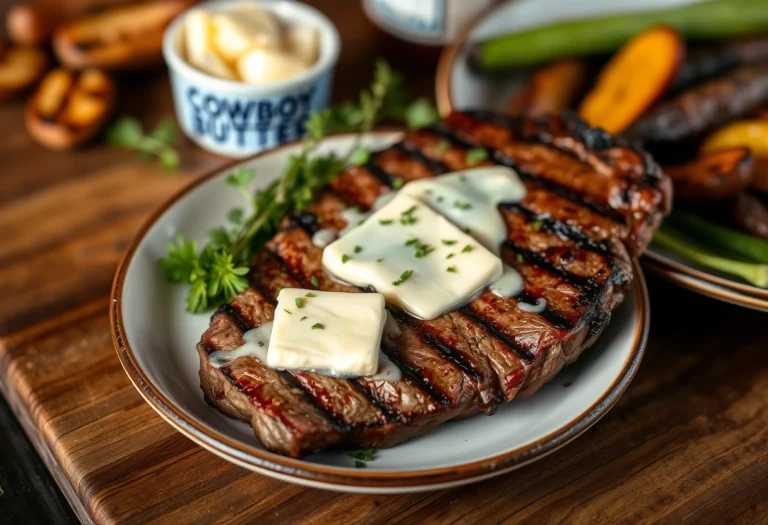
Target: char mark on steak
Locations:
point(591, 202)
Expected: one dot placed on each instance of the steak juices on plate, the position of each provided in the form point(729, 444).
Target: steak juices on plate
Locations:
point(591, 204)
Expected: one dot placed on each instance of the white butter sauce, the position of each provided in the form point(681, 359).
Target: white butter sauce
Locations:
point(324, 237)
point(509, 284)
point(540, 306)
point(256, 344)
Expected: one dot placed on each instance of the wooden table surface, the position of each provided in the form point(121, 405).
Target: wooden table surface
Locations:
point(688, 442)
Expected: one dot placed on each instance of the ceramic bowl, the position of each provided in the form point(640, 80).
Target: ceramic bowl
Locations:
point(237, 119)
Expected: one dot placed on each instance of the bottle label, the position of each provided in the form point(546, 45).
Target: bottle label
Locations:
point(422, 16)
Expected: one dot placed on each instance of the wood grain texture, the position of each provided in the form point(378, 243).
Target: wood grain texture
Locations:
point(688, 443)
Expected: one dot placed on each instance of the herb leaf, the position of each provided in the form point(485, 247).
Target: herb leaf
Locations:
point(128, 133)
point(476, 155)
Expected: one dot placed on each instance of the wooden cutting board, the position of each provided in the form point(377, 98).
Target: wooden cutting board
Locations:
point(687, 443)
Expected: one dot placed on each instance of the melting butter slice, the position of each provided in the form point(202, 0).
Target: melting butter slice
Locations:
point(331, 332)
point(416, 258)
point(470, 199)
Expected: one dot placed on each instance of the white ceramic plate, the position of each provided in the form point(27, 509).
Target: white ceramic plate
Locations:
point(458, 87)
point(155, 340)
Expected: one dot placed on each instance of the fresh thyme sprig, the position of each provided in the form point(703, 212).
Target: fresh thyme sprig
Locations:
point(216, 273)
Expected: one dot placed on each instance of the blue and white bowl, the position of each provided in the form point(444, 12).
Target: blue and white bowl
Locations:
point(237, 119)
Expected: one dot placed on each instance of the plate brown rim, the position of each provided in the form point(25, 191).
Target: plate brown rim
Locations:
point(262, 459)
point(704, 287)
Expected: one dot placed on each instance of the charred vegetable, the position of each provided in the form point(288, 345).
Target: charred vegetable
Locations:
point(752, 134)
point(705, 107)
point(634, 79)
point(751, 211)
point(700, 20)
point(705, 64)
point(719, 175)
point(723, 238)
point(552, 88)
point(68, 109)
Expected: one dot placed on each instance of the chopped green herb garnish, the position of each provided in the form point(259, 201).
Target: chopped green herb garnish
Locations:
point(277, 293)
point(379, 259)
point(462, 205)
point(440, 198)
point(303, 318)
point(449, 242)
point(318, 326)
point(299, 302)
point(411, 242)
point(421, 113)
point(403, 277)
point(536, 225)
point(365, 454)
point(385, 222)
point(463, 178)
point(466, 230)
point(288, 311)
point(450, 255)
point(310, 294)
point(397, 183)
point(451, 269)
point(358, 249)
point(466, 249)
point(422, 250)
point(520, 258)
point(314, 281)
point(360, 464)
point(345, 258)
point(441, 147)
point(476, 155)
point(360, 156)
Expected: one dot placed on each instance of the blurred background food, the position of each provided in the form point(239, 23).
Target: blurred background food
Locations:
point(688, 83)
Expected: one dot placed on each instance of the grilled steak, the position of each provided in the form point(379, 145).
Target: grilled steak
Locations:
point(592, 203)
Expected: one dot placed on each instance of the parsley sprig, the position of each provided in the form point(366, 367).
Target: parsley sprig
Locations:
point(216, 272)
point(128, 133)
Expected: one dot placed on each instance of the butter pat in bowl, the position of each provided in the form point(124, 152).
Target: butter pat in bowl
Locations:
point(245, 75)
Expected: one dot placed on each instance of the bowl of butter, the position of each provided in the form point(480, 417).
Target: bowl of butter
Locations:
point(245, 75)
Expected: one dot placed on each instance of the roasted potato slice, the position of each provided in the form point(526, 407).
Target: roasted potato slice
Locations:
point(716, 175)
point(32, 23)
point(69, 108)
point(20, 67)
point(125, 37)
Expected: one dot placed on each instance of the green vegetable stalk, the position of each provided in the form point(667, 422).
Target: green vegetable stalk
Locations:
point(720, 237)
point(706, 20)
point(672, 240)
